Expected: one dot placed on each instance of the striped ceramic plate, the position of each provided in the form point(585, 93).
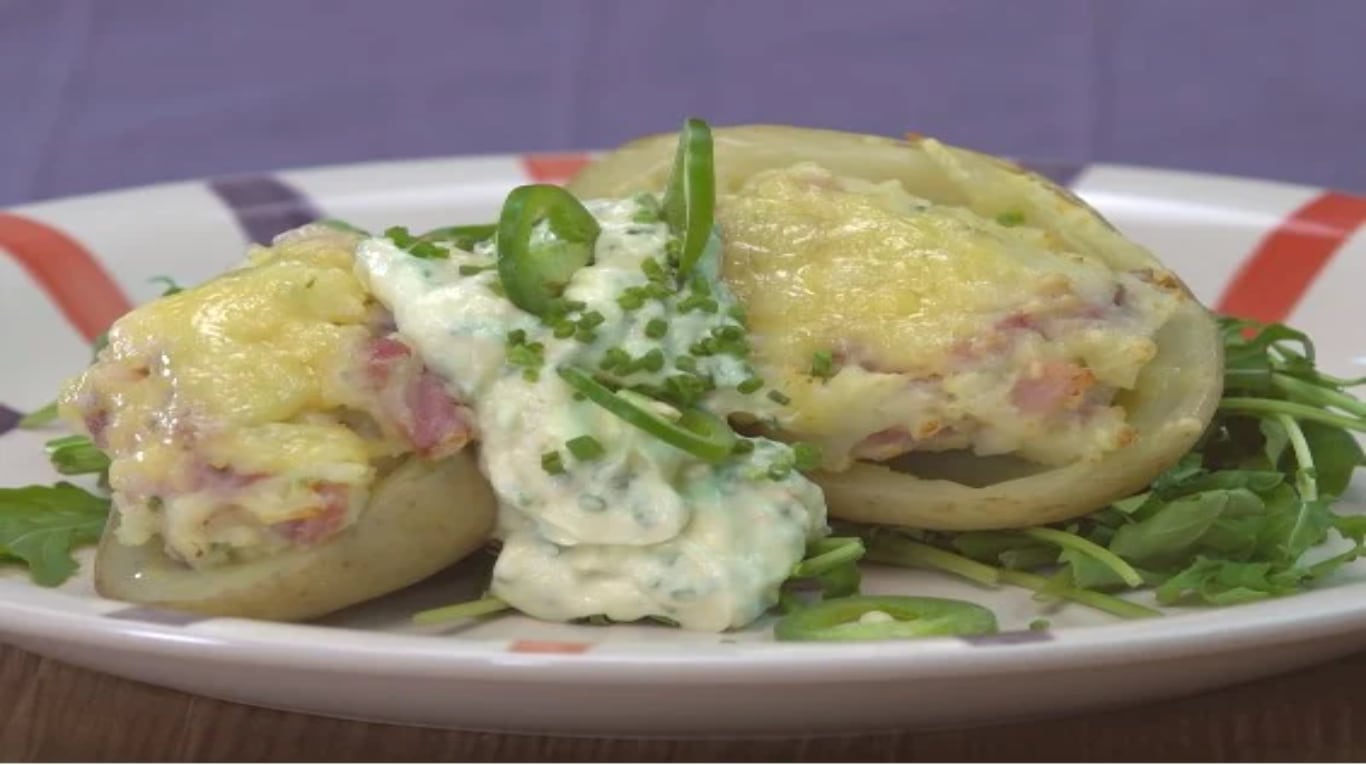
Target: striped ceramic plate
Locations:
point(69, 267)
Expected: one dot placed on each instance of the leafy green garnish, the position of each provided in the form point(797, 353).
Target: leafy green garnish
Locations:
point(39, 417)
point(471, 609)
point(41, 525)
point(76, 455)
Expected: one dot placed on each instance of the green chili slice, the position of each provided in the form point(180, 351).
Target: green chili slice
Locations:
point(898, 617)
point(462, 237)
point(699, 433)
point(535, 261)
point(690, 198)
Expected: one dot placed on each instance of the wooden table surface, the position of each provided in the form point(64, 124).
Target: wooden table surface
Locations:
point(52, 711)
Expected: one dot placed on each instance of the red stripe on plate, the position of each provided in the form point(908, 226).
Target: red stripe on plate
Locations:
point(553, 168)
point(67, 272)
point(548, 646)
point(1271, 282)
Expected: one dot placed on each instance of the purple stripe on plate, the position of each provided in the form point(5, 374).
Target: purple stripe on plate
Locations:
point(156, 616)
point(8, 419)
point(265, 206)
point(1010, 638)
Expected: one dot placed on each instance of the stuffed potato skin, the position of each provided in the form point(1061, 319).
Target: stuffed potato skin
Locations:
point(1168, 406)
point(277, 450)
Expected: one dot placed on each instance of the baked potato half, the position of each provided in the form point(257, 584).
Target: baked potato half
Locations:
point(804, 212)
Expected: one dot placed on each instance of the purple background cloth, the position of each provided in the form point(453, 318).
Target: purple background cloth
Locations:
point(98, 94)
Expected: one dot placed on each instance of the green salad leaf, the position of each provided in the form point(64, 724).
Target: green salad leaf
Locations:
point(41, 525)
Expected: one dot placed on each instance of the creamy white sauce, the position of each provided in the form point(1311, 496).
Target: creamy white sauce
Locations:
point(647, 530)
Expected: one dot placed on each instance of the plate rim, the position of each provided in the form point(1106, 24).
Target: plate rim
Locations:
point(286, 645)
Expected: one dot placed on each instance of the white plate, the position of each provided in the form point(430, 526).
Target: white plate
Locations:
point(518, 674)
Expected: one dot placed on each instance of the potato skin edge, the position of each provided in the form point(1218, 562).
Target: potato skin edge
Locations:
point(421, 518)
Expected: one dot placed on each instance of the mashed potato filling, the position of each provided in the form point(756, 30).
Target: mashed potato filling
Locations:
point(897, 324)
point(249, 413)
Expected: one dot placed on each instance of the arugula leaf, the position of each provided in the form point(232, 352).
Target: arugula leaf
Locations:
point(41, 525)
point(1336, 456)
point(1174, 529)
point(76, 455)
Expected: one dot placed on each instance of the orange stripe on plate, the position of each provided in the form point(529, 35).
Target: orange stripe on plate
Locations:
point(553, 168)
point(67, 272)
point(1271, 282)
point(547, 646)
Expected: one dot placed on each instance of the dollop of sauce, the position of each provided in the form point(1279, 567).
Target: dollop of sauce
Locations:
point(639, 529)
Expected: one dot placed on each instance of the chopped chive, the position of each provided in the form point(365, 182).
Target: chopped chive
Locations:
point(648, 209)
point(656, 328)
point(427, 251)
point(779, 470)
point(552, 463)
point(752, 385)
point(614, 358)
point(565, 328)
point(807, 456)
point(630, 300)
point(585, 335)
point(685, 389)
point(822, 365)
point(686, 363)
point(1011, 218)
point(737, 312)
point(531, 375)
point(778, 397)
point(729, 332)
point(399, 236)
point(653, 271)
point(585, 448)
point(657, 291)
point(470, 269)
point(652, 361)
point(704, 347)
point(695, 302)
point(517, 336)
point(590, 320)
point(698, 285)
point(743, 446)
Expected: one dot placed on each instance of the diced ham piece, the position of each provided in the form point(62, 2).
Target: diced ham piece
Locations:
point(885, 444)
point(1056, 385)
point(436, 425)
point(414, 400)
point(95, 424)
point(210, 478)
point(335, 498)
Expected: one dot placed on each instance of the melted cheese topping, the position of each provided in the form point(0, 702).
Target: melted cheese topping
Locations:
point(915, 302)
point(234, 385)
